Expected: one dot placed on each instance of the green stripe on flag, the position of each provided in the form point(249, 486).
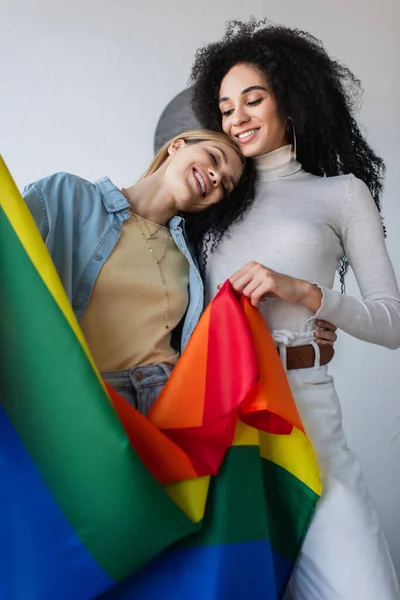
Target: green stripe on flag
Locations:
point(291, 505)
point(61, 412)
point(253, 499)
point(235, 510)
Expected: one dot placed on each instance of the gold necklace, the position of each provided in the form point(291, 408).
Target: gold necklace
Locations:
point(150, 235)
point(158, 262)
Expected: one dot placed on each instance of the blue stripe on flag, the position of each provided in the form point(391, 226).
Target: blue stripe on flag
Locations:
point(41, 557)
point(237, 571)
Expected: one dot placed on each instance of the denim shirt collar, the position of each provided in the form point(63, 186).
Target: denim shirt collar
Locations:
point(177, 222)
point(112, 198)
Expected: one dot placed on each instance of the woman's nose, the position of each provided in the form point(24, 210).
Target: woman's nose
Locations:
point(239, 117)
point(215, 177)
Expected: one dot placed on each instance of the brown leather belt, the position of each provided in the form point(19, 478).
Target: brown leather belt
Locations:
point(303, 357)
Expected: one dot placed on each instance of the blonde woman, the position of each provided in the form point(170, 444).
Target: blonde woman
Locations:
point(124, 258)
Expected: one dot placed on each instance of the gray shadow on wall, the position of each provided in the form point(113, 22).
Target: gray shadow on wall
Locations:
point(176, 118)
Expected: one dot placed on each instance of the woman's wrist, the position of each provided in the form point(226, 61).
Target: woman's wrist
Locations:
point(310, 295)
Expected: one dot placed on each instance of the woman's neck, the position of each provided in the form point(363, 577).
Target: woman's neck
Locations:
point(149, 199)
point(276, 164)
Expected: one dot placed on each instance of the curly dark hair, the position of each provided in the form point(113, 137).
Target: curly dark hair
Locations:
point(206, 229)
point(318, 94)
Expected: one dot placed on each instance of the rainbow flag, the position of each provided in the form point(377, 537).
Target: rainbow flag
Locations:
point(255, 513)
point(210, 496)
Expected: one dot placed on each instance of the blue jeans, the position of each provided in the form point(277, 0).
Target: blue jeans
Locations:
point(140, 386)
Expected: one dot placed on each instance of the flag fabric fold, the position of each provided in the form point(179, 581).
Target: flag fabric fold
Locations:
point(210, 496)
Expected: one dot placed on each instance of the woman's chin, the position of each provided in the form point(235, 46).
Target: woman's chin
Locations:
point(253, 148)
point(258, 148)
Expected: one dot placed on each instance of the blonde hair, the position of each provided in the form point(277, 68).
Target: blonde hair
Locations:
point(192, 136)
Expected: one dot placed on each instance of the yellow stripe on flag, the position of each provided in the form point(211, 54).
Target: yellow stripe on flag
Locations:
point(294, 453)
point(245, 435)
point(190, 495)
point(28, 234)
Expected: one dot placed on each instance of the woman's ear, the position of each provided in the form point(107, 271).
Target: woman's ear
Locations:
point(175, 146)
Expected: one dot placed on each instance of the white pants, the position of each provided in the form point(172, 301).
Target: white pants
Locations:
point(345, 555)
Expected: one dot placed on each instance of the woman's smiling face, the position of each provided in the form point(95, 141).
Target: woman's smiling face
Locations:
point(250, 114)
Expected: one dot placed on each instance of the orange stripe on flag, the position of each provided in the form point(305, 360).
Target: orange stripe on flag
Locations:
point(271, 406)
point(166, 461)
point(181, 403)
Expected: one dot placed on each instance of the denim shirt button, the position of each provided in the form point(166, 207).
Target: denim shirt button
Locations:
point(126, 211)
point(77, 306)
point(98, 257)
point(116, 226)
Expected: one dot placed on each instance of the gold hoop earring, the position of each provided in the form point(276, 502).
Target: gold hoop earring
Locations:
point(294, 145)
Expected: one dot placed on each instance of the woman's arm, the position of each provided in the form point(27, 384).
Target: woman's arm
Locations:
point(373, 318)
point(376, 317)
point(37, 206)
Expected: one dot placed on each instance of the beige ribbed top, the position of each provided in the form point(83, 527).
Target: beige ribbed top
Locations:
point(126, 318)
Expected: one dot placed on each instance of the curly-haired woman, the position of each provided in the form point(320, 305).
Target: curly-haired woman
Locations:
point(288, 105)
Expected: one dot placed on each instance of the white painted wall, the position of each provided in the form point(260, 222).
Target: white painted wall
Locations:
point(83, 83)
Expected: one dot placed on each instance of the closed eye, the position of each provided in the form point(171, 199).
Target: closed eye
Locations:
point(213, 158)
point(226, 113)
point(255, 102)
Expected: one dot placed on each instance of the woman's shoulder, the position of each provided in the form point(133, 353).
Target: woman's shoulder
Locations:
point(60, 182)
point(63, 192)
point(344, 187)
point(338, 181)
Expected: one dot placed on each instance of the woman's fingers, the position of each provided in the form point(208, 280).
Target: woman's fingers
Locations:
point(325, 336)
point(240, 272)
point(251, 288)
point(326, 325)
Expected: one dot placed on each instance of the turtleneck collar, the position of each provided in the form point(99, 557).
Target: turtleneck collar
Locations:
point(276, 164)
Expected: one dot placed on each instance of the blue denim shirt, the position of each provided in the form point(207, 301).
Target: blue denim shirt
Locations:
point(81, 222)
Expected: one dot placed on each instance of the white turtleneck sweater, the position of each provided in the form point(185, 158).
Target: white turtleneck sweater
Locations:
point(301, 225)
